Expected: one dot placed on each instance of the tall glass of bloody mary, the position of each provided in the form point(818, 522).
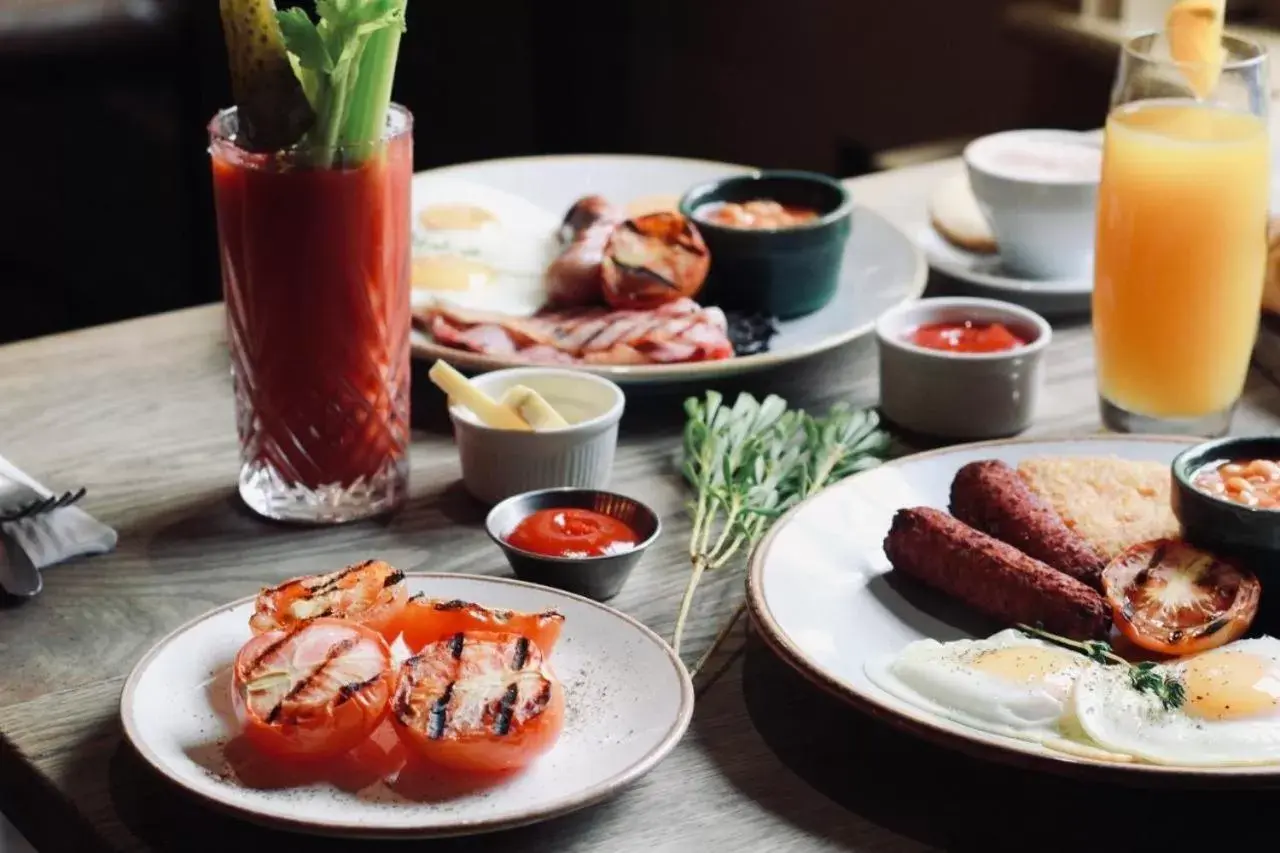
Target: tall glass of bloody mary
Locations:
point(315, 272)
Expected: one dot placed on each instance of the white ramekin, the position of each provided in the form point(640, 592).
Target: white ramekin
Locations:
point(961, 395)
point(499, 463)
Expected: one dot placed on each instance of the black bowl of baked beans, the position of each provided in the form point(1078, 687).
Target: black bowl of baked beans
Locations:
point(1226, 495)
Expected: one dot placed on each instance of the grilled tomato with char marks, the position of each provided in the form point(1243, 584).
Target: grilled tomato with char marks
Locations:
point(430, 620)
point(479, 702)
point(1169, 597)
point(316, 690)
point(371, 593)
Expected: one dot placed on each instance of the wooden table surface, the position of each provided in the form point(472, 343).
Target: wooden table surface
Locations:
point(141, 414)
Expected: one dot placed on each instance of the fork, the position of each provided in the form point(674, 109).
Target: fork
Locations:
point(40, 506)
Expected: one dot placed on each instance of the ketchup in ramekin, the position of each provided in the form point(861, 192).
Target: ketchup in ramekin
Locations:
point(966, 337)
point(572, 532)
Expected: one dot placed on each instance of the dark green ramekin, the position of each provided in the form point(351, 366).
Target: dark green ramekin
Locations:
point(1217, 524)
point(784, 272)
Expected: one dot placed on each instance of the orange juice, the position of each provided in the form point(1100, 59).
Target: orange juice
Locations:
point(1180, 256)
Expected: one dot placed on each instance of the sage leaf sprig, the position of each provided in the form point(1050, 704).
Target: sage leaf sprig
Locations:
point(750, 462)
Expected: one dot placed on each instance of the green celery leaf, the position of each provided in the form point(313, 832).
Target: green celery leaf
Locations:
point(303, 40)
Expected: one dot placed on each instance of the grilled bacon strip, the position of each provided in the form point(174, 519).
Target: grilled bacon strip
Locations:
point(677, 332)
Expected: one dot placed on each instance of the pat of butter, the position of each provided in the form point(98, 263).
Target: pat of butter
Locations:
point(1194, 30)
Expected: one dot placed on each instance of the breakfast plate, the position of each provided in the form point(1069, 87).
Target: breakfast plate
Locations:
point(627, 700)
point(825, 597)
point(881, 266)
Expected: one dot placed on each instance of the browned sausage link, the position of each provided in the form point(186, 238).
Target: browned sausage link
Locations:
point(588, 211)
point(990, 496)
point(991, 576)
point(574, 278)
point(652, 260)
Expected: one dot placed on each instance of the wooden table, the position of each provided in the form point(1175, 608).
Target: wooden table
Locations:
point(141, 414)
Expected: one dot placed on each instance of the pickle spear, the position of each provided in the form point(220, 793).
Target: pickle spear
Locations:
point(273, 109)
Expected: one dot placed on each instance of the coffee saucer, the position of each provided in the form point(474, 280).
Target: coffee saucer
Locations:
point(985, 275)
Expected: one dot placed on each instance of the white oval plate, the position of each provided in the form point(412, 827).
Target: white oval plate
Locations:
point(882, 267)
point(818, 593)
point(628, 699)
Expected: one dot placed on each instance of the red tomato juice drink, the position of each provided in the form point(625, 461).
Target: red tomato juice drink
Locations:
point(315, 273)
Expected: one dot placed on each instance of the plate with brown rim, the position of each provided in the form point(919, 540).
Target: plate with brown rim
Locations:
point(821, 593)
point(628, 702)
point(882, 267)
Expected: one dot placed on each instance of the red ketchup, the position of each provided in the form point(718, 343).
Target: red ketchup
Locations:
point(966, 337)
point(572, 533)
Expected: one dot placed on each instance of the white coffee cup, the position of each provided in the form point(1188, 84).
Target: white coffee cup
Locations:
point(1039, 191)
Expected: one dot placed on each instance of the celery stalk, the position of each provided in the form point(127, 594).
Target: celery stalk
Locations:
point(371, 94)
point(346, 64)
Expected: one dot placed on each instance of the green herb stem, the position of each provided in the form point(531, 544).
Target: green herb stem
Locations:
point(371, 88)
point(751, 462)
point(1143, 676)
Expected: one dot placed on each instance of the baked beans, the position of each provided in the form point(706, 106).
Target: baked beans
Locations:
point(763, 214)
point(1251, 482)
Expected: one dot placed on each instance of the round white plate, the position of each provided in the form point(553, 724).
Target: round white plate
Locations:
point(882, 267)
point(819, 593)
point(628, 699)
point(984, 275)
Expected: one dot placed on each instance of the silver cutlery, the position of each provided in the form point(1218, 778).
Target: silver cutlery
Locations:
point(37, 505)
point(21, 504)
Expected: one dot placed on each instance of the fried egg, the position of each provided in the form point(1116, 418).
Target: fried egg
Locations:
point(1230, 715)
point(479, 247)
point(1008, 684)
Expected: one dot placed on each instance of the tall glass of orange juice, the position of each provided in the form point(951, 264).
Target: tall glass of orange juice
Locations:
point(1181, 241)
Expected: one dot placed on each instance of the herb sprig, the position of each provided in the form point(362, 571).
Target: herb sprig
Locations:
point(751, 462)
point(1143, 677)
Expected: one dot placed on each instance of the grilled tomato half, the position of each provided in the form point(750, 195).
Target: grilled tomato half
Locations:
point(430, 620)
point(479, 702)
point(316, 690)
point(371, 593)
point(1169, 597)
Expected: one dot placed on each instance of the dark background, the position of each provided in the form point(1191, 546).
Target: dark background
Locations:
point(106, 185)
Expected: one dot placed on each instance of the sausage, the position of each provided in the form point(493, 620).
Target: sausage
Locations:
point(574, 277)
point(990, 496)
point(652, 260)
point(991, 576)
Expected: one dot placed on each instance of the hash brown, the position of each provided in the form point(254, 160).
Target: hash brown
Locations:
point(1112, 503)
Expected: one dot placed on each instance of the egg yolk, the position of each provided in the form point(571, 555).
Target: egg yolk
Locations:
point(1025, 665)
point(1230, 685)
point(449, 272)
point(455, 217)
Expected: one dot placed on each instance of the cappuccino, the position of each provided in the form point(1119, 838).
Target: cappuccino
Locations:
point(1040, 159)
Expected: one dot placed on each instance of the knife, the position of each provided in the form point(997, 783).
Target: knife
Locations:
point(18, 575)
